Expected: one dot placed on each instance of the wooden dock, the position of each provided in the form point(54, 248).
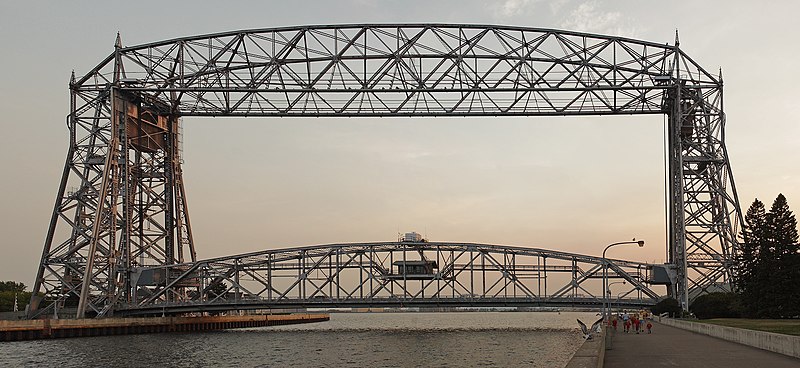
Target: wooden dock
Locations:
point(60, 328)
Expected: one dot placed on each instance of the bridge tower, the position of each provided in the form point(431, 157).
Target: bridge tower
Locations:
point(121, 203)
point(703, 203)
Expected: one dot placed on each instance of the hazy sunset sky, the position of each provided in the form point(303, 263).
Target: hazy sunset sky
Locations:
point(571, 184)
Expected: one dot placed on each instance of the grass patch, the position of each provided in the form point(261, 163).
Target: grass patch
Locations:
point(781, 326)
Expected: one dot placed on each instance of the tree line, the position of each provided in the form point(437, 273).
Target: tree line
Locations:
point(768, 280)
point(769, 264)
point(8, 289)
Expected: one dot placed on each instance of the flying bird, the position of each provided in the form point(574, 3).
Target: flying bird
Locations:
point(597, 325)
point(587, 332)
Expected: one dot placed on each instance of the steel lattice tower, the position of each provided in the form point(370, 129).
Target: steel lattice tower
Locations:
point(121, 206)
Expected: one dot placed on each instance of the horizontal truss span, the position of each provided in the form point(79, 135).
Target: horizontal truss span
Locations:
point(393, 274)
point(399, 70)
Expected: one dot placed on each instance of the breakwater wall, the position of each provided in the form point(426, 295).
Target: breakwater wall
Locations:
point(60, 328)
point(592, 353)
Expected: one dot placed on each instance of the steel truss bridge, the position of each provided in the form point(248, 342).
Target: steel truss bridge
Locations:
point(403, 274)
point(121, 212)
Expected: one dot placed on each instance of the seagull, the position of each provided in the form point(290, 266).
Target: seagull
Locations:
point(597, 325)
point(587, 333)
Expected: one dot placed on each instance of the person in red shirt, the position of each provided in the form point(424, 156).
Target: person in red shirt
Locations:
point(614, 323)
point(649, 327)
point(636, 324)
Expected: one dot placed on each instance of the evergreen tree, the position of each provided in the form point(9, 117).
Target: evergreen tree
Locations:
point(782, 237)
point(769, 263)
point(749, 270)
point(793, 293)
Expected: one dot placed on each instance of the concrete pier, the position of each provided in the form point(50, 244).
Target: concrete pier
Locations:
point(47, 328)
point(591, 353)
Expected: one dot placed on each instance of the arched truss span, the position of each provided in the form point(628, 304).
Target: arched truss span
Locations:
point(397, 274)
point(121, 204)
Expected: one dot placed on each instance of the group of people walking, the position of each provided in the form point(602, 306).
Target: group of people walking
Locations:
point(632, 322)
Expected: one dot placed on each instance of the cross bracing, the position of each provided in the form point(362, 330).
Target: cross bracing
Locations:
point(381, 70)
point(121, 204)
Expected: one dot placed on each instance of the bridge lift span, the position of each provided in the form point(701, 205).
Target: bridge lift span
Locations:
point(396, 274)
point(121, 210)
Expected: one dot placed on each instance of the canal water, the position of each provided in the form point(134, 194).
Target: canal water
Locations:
point(464, 339)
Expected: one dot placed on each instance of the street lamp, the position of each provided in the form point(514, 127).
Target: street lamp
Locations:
point(605, 273)
point(610, 303)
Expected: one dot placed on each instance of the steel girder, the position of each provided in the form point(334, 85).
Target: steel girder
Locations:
point(373, 274)
point(127, 207)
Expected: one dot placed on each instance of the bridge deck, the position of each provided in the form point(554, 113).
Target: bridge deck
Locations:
point(321, 303)
point(673, 347)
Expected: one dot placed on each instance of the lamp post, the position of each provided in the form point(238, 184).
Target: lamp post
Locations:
point(610, 303)
point(605, 273)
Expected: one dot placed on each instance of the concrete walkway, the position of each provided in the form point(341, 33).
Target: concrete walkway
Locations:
point(672, 347)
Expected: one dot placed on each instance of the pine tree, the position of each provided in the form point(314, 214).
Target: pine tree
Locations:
point(769, 264)
point(782, 237)
point(793, 293)
point(783, 227)
point(749, 270)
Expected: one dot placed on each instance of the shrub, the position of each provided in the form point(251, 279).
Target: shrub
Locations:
point(669, 306)
point(717, 305)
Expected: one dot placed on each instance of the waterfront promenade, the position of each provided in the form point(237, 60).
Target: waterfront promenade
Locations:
point(673, 347)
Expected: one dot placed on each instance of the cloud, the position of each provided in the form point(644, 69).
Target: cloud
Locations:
point(589, 16)
point(511, 8)
point(557, 5)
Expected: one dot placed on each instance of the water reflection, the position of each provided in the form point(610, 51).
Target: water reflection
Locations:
point(348, 340)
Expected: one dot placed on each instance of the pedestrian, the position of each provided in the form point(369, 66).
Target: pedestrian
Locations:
point(614, 323)
point(626, 321)
point(636, 324)
point(649, 327)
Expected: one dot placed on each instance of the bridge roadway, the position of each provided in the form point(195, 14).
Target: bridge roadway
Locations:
point(673, 347)
point(219, 306)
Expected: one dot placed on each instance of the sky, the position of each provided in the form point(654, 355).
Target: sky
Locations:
point(571, 184)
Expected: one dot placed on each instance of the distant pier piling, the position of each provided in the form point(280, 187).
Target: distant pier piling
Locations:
point(61, 328)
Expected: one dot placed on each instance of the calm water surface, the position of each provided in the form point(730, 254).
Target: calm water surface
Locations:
point(469, 339)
